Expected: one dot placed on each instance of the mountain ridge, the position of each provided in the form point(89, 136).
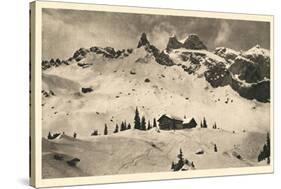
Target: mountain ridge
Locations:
point(246, 71)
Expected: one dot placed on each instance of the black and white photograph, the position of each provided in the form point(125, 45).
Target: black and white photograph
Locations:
point(125, 93)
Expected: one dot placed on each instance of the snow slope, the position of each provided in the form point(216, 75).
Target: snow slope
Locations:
point(227, 88)
point(135, 151)
point(117, 92)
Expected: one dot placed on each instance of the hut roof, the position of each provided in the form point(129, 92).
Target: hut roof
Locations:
point(170, 117)
point(187, 120)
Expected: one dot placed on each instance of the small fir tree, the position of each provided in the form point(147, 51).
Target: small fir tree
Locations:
point(215, 126)
point(137, 120)
point(105, 132)
point(95, 133)
point(215, 148)
point(116, 129)
point(129, 126)
point(148, 125)
point(50, 135)
point(154, 123)
point(143, 123)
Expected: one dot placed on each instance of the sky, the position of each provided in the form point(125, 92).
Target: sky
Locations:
point(65, 31)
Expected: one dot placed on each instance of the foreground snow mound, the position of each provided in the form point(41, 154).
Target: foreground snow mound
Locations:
point(135, 151)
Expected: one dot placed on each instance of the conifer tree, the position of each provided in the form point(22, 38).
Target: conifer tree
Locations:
point(105, 132)
point(215, 126)
point(122, 126)
point(265, 153)
point(116, 129)
point(148, 125)
point(268, 147)
point(95, 133)
point(181, 160)
point(192, 165)
point(143, 123)
point(137, 120)
point(129, 126)
point(173, 165)
point(180, 155)
point(204, 123)
point(49, 135)
point(154, 123)
point(215, 148)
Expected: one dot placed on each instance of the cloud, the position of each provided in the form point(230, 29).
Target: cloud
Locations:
point(160, 34)
point(223, 34)
point(65, 31)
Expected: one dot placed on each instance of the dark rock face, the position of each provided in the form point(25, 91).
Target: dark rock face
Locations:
point(259, 91)
point(47, 94)
point(194, 42)
point(87, 90)
point(80, 54)
point(53, 63)
point(173, 43)
point(247, 70)
point(160, 57)
point(248, 74)
point(73, 162)
point(58, 157)
point(224, 53)
point(147, 80)
point(218, 76)
point(53, 136)
point(143, 41)
point(164, 59)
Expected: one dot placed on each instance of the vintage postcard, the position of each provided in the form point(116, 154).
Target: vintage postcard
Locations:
point(123, 94)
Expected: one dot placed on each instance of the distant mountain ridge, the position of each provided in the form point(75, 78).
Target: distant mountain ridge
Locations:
point(247, 72)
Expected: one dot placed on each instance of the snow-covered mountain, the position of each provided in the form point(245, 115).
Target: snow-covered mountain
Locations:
point(185, 80)
point(247, 73)
point(102, 85)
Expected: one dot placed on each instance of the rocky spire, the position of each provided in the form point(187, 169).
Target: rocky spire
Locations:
point(194, 42)
point(143, 41)
point(173, 43)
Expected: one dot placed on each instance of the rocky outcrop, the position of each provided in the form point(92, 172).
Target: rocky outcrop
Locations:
point(164, 59)
point(259, 91)
point(248, 73)
point(173, 43)
point(194, 42)
point(160, 57)
point(73, 162)
point(143, 41)
point(86, 89)
point(218, 76)
point(53, 63)
point(226, 53)
point(191, 42)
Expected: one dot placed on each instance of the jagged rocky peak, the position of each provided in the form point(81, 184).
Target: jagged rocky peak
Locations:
point(143, 41)
point(226, 53)
point(194, 42)
point(53, 63)
point(173, 43)
point(256, 52)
